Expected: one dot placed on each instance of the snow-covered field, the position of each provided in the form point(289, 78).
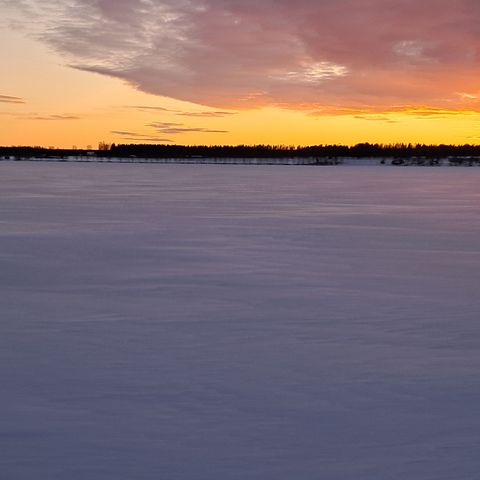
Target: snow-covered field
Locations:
point(176, 322)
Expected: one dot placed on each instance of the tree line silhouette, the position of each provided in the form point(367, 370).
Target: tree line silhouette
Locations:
point(360, 150)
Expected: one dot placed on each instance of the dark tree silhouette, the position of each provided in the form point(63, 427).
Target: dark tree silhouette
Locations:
point(400, 151)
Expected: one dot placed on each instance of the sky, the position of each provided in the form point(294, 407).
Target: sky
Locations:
point(302, 72)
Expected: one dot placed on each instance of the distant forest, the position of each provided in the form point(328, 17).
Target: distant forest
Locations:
point(361, 150)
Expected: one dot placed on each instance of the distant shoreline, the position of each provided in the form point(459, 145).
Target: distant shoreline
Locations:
point(313, 154)
point(293, 161)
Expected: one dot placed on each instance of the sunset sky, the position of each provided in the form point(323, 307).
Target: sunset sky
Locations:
point(76, 72)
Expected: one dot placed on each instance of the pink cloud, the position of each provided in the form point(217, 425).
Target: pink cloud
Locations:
point(360, 55)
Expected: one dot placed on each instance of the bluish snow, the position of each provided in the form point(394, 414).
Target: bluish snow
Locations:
point(231, 323)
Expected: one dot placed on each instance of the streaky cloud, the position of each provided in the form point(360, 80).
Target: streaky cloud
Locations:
point(139, 137)
point(206, 114)
point(153, 108)
point(147, 139)
point(10, 99)
point(376, 118)
point(179, 128)
point(51, 117)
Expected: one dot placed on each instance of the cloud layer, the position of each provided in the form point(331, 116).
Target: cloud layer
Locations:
point(324, 55)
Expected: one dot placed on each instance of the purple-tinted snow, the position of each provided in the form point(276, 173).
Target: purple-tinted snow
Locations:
point(233, 323)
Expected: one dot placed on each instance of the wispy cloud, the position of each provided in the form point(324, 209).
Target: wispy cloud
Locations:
point(358, 55)
point(153, 108)
point(147, 139)
point(219, 114)
point(435, 112)
point(179, 128)
point(50, 117)
point(124, 133)
point(200, 114)
point(10, 99)
point(376, 118)
point(139, 137)
point(372, 112)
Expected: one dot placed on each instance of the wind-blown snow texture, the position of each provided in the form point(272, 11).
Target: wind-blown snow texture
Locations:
point(231, 323)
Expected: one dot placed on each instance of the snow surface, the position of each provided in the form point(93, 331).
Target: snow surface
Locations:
point(236, 323)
